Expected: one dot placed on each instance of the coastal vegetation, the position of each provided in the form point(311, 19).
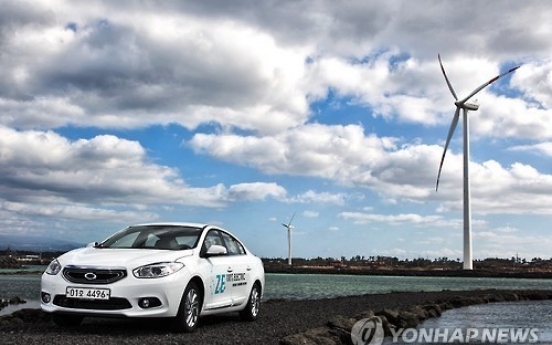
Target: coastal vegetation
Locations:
point(384, 265)
point(375, 264)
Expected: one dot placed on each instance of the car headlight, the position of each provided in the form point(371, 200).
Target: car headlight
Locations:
point(158, 270)
point(53, 268)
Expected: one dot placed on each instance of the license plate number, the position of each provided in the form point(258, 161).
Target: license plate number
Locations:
point(87, 293)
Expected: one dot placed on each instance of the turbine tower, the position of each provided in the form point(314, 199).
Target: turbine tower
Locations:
point(465, 107)
point(289, 227)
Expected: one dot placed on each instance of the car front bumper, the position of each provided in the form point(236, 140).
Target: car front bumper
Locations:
point(126, 296)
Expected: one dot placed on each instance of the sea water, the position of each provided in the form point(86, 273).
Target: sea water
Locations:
point(316, 286)
point(530, 320)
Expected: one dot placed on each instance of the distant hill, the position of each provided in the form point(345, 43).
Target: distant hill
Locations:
point(36, 244)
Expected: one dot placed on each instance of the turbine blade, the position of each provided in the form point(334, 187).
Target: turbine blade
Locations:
point(446, 78)
point(449, 136)
point(291, 220)
point(487, 84)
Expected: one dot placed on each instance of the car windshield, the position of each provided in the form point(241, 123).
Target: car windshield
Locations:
point(166, 237)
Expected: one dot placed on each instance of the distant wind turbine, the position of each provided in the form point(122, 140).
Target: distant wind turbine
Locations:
point(289, 227)
point(464, 106)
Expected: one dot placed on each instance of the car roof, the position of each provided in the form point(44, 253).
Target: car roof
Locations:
point(192, 225)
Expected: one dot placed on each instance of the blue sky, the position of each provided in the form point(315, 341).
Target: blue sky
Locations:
point(120, 113)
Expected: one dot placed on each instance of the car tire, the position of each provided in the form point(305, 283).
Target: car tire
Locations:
point(187, 318)
point(63, 320)
point(253, 305)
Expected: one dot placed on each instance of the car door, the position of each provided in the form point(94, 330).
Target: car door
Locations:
point(218, 293)
point(240, 277)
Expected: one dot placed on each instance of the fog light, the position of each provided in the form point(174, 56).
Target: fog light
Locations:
point(149, 302)
point(46, 298)
point(145, 303)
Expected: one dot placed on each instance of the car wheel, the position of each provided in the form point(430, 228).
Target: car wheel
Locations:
point(190, 307)
point(67, 320)
point(251, 310)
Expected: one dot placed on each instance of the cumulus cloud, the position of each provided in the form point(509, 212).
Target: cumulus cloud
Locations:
point(364, 218)
point(38, 166)
point(544, 149)
point(193, 64)
point(254, 72)
point(255, 191)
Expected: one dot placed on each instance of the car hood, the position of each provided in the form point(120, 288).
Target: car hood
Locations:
point(130, 258)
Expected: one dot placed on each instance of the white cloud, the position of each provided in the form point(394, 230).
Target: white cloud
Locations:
point(310, 214)
point(544, 149)
point(242, 84)
point(315, 150)
point(43, 166)
point(414, 219)
point(255, 191)
point(311, 196)
point(77, 212)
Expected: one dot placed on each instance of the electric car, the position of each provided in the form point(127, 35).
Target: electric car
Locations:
point(179, 271)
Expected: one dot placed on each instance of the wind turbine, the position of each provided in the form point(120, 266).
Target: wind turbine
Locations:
point(289, 227)
point(465, 107)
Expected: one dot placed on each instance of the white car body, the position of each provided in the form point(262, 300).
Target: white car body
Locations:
point(120, 281)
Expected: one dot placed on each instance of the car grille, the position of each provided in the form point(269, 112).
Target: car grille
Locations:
point(111, 304)
point(91, 275)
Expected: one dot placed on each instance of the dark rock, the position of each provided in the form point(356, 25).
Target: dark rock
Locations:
point(17, 300)
point(537, 296)
point(419, 311)
point(433, 310)
point(387, 326)
point(315, 336)
point(9, 322)
point(407, 319)
point(391, 315)
point(31, 315)
point(464, 301)
point(496, 298)
point(341, 326)
point(365, 315)
point(342, 322)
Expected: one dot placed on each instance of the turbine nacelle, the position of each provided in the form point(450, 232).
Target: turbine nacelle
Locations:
point(467, 106)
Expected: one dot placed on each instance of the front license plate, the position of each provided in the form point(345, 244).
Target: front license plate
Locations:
point(87, 293)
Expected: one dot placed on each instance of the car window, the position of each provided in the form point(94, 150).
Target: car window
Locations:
point(167, 237)
point(151, 241)
point(186, 242)
point(125, 241)
point(232, 245)
point(212, 238)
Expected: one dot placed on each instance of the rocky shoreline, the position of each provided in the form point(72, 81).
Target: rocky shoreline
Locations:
point(338, 329)
point(480, 273)
point(325, 321)
point(4, 302)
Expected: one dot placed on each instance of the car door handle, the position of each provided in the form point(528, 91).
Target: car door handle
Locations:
point(248, 268)
point(229, 270)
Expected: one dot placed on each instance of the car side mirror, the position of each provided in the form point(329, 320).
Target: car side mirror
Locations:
point(216, 250)
point(91, 244)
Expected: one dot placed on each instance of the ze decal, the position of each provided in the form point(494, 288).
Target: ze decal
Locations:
point(220, 284)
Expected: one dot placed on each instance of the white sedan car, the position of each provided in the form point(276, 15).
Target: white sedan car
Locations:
point(177, 270)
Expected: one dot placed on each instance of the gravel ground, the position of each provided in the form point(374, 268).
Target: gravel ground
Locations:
point(277, 320)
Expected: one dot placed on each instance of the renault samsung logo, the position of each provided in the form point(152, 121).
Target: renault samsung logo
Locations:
point(90, 276)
